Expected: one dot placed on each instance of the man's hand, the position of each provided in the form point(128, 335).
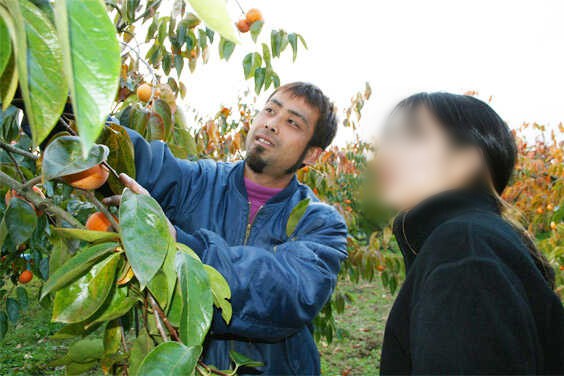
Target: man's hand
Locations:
point(137, 188)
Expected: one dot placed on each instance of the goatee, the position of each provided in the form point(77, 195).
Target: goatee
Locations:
point(255, 161)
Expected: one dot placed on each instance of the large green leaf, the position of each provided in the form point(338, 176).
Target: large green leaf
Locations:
point(8, 83)
point(121, 156)
point(144, 233)
point(87, 235)
point(118, 306)
point(82, 298)
point(63, 157)
point(163, 283)
point(221, 293)
point(197, 299)
point(20, 219)
point(170, 359)
point(297, 213)
point(214, 13)
point(39, 63)
point(5, 45)
point(76, 266)
point(92, 63)
point(241, 360)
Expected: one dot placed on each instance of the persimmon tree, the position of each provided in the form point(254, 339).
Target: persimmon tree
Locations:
point(71, 74)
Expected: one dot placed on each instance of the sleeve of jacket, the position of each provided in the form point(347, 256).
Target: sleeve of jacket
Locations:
point(274, 294)
point(471, 319)
point(170, 180)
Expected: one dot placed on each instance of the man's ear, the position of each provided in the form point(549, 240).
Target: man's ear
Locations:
point(312, 155)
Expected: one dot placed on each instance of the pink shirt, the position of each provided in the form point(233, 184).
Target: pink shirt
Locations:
point(258, 196)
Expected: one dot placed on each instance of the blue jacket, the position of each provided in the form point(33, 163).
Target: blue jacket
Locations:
point(278, 284)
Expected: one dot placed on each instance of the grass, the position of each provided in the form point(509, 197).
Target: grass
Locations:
point(27, 349)
point(357, 351)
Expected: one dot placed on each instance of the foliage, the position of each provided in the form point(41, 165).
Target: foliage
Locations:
point(131, 297)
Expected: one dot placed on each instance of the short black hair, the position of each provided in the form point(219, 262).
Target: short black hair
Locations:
point(326, 126)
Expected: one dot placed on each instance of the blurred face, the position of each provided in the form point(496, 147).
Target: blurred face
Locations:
point(278, 141)
point(416, 160)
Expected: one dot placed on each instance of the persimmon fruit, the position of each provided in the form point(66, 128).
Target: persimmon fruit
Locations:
point(25, 276)
point(93, 178)
point(99, 222)
point(144, 92)
point(243, 26)
point(253, 15)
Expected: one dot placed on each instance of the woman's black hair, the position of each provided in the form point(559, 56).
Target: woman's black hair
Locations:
point(470, 121)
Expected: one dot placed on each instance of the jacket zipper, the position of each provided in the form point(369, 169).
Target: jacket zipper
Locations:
point(249, 223)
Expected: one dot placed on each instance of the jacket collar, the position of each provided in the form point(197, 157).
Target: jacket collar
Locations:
point(238, 180)
point(413, 227)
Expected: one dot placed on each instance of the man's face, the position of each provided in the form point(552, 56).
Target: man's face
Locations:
point(278, 140)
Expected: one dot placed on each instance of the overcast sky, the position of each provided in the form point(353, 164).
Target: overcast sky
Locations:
point(511, 50)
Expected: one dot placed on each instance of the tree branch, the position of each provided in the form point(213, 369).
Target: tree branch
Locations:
point(12, 149)
point(39, 202)
point(156, 309)
point(162, 315)
point(92, 197)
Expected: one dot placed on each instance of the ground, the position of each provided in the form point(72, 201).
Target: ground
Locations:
point(27, 349)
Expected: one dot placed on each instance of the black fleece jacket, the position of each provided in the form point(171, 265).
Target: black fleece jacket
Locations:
point(474, 301)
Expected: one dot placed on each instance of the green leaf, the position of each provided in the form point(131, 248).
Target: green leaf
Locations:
point(226, 48)
point(82, 298)
point(145, 234)
point(13, 309)
point(293, 40)
point(9, 125)
point(266, 55)
point(170, 359)
point(162, 285)
point(118, 306)
point(63, 157)
point(5, 46)
point(214, 13)
point(221, 293)
point(243, 361)
point(250, 63)
point(8, 83)
point(260, 74)
point(197, 299)
point(59, 254)
point(39, 63)
point(303, 41)
point(178, 64)
point(141, 346)
point(3, 324)
point(86, 350)
point(87, 235)
point(112, 337)
point(23, 300)
point(21, 220)
point(255, 29)
point(121, 156)
point(92, 63)
point(163, 109)
point(76, 266)
point(295, 216)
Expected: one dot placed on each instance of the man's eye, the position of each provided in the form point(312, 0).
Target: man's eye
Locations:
point(268, 109)
point(293, 123)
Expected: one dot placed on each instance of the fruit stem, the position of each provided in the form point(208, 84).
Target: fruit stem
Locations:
point(38, 201)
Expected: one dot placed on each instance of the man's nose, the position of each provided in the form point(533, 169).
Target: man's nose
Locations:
point(271, 127)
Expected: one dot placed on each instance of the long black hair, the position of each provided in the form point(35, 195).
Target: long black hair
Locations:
point(470, 121)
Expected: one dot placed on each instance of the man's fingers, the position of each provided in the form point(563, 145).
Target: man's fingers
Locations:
point(112, 200)
point(132, 184)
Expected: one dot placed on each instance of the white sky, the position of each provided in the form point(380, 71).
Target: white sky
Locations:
point(512, 50)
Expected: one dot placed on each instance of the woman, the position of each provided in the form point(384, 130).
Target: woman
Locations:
point(478, 295)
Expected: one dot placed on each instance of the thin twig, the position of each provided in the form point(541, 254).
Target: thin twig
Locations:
point(92, 197)
point(157, 318)
point(38, 201)
point(16, 150)
point(124, 345)
point(16, 165)
point(240, 7)
point(162, 315)
point(31, 182)
point(212, 370)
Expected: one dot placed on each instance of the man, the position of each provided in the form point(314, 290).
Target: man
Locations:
point(234, 216)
